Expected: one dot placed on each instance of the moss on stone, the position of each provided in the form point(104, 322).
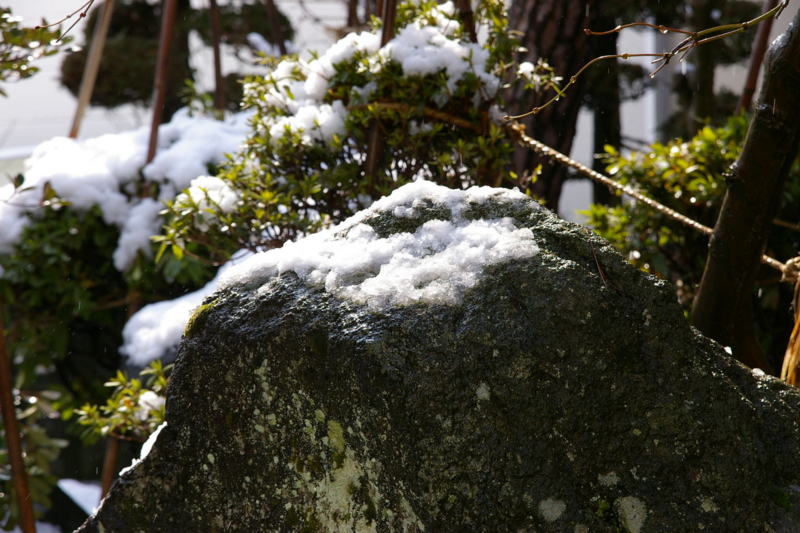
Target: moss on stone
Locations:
point(386, 224)
point(198, 319)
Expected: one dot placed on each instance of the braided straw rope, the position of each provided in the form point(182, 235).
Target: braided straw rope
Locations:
point(518, 133)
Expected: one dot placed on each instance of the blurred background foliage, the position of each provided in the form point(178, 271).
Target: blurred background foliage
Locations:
point(129, 58)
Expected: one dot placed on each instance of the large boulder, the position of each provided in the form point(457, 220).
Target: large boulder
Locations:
point(458, 361)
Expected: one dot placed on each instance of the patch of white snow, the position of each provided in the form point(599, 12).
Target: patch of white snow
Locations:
point(146, 448)
point(101, 172)
point(436, 264)
point(157, 328)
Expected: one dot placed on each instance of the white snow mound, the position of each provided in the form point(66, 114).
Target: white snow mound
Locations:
point(436, 264)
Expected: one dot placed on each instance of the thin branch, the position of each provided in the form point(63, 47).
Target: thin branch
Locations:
point(693, 40)
point(13, 441)
point(83, 10)
point(790, 225)
point(432, 113)
point(659, 27)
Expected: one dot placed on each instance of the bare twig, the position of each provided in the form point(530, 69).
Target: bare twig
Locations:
point(789, 225)
point(693, 40)
point(603, 276)
point(83, 10)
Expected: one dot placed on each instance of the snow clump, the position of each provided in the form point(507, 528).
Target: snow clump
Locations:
point(299, 88)
point(436, 264)
point(102, 171)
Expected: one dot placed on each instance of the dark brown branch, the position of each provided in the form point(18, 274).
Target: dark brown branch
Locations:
point(216, 36)
point(756, 59)
point(13, 442)
point(375, 144)
point(109, 464)
point(275, 25)
point(467, 18)
point(160, 84)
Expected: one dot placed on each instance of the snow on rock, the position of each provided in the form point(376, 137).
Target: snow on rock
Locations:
point(435, 264)
point(101, 172)
point(146, 447)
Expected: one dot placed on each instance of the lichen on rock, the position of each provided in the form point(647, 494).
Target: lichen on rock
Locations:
point(509, 391)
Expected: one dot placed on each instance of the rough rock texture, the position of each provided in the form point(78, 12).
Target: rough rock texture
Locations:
point(546, 401)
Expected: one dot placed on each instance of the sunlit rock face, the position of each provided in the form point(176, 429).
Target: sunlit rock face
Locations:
point(458, 361)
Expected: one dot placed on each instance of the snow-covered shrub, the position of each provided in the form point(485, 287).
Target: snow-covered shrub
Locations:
point(76, 251)
point(76, 259)
point(432, 97)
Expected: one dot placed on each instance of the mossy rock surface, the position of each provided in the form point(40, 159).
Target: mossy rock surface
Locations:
point(547, 400)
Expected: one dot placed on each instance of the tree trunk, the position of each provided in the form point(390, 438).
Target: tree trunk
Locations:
point(551, 30)
point(723, 305)
point(179, 69)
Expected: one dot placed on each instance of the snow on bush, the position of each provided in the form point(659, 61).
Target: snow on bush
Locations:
point(103, 172)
